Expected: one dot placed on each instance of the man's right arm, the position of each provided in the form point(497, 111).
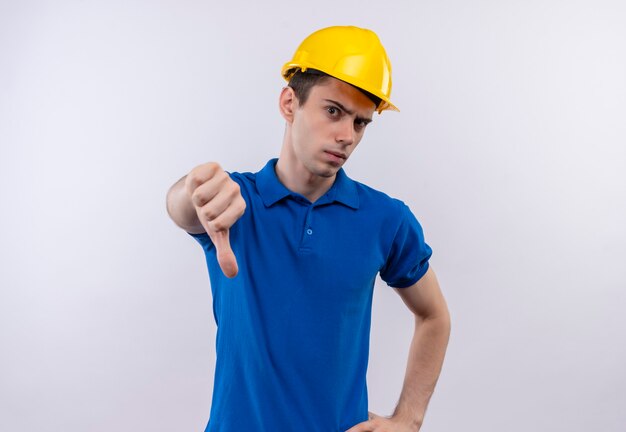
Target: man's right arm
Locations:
point(208, 200)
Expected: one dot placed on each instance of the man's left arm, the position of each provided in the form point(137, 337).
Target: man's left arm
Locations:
point(426, 354)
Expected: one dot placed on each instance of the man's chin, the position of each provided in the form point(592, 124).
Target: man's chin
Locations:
point(328, 170)
point(324, 168)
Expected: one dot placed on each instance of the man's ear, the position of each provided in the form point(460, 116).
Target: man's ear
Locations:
point(287, 103)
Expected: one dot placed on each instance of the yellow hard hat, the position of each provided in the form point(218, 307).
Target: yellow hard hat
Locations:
point(351, 54)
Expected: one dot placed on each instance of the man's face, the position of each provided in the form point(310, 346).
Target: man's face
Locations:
point(329, 126)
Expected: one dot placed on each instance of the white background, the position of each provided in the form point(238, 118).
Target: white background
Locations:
point(510, 148)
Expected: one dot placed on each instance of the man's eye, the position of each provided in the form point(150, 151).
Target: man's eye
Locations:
point(332, 110)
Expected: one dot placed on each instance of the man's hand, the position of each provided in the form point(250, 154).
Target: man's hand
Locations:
point(219, 204)
point(377, 423)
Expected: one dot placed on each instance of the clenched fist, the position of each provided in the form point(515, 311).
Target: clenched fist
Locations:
point(218, 203)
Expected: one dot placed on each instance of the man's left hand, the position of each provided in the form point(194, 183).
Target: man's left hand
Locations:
point(378, 423)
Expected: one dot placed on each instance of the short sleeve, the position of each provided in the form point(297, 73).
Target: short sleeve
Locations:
point(408, 257)
point(203, 239)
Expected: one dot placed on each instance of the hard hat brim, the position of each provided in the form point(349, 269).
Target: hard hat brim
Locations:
point(290, 68)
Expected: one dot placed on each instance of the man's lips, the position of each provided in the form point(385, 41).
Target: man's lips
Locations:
point(337, 154)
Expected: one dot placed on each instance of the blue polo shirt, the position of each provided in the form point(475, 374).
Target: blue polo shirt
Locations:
point(293, 326)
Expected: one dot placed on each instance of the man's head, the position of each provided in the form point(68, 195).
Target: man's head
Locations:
point(337, 78)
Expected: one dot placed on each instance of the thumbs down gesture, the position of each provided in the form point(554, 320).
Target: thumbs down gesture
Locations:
point(219, 204)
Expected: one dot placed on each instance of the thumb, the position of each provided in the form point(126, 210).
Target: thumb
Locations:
point(225, 255)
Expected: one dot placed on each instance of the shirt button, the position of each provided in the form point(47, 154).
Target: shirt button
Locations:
point(309, 231)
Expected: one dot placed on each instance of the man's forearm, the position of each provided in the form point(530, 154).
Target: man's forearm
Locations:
point(180, 208)
point(426, 355)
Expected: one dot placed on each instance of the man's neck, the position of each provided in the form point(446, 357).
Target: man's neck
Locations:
point(297, 178)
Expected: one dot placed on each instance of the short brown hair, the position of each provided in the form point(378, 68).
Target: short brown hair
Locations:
point(303, 82)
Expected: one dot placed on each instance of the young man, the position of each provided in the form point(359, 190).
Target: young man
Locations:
point(293, 252)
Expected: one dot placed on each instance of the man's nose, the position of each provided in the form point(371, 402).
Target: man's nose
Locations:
point(345, 133)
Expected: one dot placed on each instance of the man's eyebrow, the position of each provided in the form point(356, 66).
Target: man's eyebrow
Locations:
point(363, 119)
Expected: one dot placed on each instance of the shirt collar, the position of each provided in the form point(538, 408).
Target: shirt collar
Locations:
point(272, 190)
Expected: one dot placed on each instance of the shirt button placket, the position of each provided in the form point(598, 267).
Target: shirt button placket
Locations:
point(307, 237)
